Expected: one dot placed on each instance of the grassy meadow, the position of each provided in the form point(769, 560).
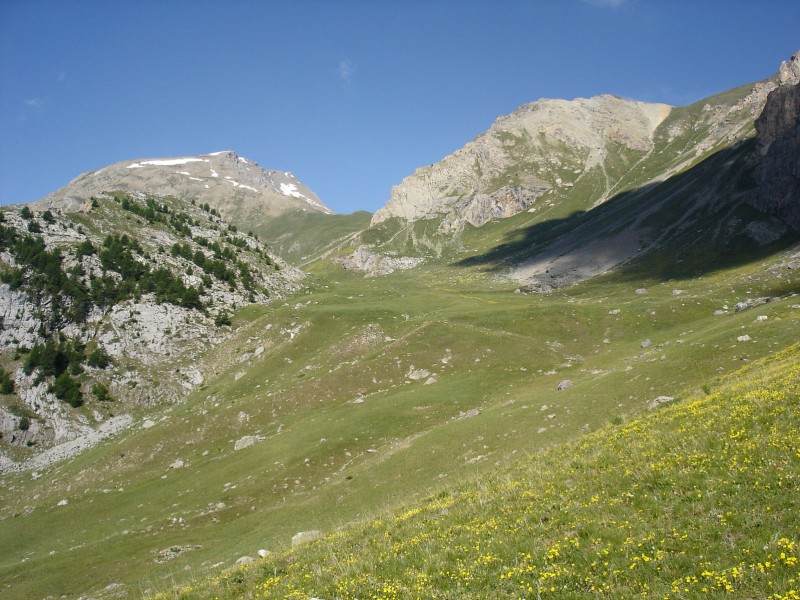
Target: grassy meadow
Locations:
point(425, 394)
point(695, 500)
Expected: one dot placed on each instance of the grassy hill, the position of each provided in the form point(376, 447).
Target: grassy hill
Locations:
point(698, 499)
point(300, 237)
point(362, 394)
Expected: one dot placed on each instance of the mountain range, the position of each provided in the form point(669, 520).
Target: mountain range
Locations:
point(200, 360)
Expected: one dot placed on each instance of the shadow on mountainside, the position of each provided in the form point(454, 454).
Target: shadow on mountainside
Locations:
point(692, 223)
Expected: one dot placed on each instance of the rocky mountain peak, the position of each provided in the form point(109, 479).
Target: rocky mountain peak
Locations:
point(238, 187)
point(789, 72)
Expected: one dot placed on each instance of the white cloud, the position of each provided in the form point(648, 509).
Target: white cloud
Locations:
point(606, 3)
point(35, 104)
point(31, 108)
point(346, 71)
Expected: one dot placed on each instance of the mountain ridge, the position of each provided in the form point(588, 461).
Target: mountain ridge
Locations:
point(505, 170)
point(552, 160)
point(237, 187)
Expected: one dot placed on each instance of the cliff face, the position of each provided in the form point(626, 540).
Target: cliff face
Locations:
point(778, 170)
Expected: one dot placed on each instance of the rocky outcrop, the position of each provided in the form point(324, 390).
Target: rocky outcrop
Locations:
point(778, 169)
point(789, 72)
point(373, 263)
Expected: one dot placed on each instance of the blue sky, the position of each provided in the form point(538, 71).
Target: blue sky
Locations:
point(351, 96)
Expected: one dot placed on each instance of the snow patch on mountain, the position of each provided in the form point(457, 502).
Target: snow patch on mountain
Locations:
point(171, 162)
point(290, 189)
point(241, 185)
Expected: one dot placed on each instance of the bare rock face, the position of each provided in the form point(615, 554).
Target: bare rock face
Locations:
point(778, 135)
point(541, 147)
point(373, 263)
point(789, 73)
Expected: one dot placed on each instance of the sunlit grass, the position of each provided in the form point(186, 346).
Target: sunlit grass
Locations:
point(696, 499)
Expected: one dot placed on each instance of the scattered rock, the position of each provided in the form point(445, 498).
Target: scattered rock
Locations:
point(417, 374)
point(62, 502)
point(473, 412)
point(245, 442)
point(244, 560)
point(172, 552)
point(765, 232)
point(660, 400)
point(743, 338)
point(177, 464)
point(646, 344)
point(761, 318)
point(720, 312)
point(641, 291)
point(264, 553)
point(304, 537)
point(678, 292)
point(373, 263)
point(614, 311)
point(567, 383)
point(751, 302)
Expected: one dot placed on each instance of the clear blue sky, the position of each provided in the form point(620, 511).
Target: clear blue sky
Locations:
point(351, 96)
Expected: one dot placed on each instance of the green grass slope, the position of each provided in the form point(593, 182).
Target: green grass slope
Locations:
point(699, 499)
point(300, 237)
point(361, 394)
